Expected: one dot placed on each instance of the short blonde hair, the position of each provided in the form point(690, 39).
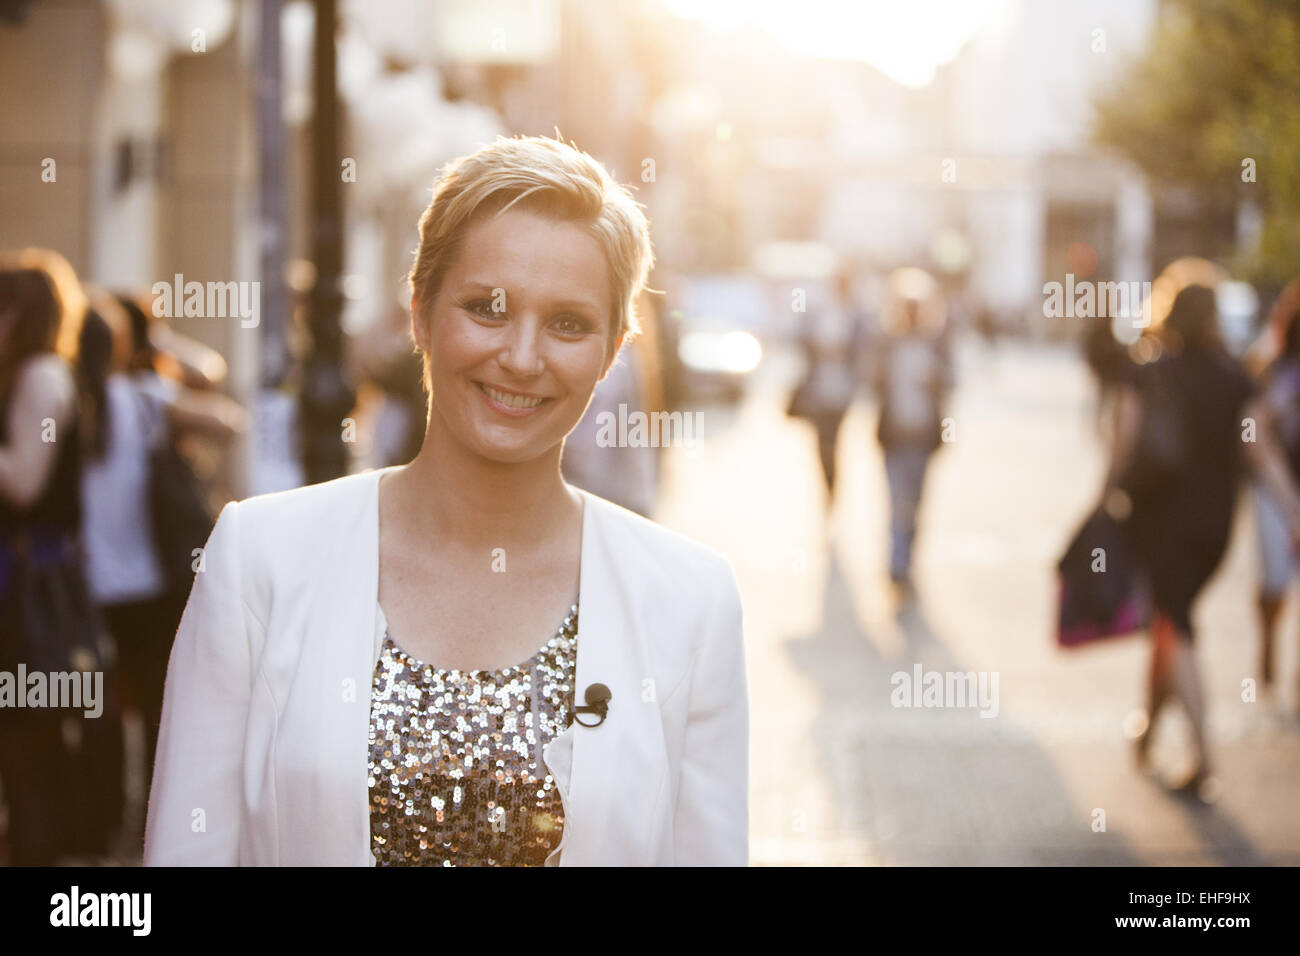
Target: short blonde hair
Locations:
point(545, 176)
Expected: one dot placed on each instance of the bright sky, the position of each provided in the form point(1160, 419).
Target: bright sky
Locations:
point(904, 39)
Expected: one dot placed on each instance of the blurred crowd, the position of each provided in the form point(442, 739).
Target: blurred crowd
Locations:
point(1189, 426)
point(98, 399)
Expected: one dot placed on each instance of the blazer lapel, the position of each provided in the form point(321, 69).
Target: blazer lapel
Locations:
point(339, 670)
point(611, 776)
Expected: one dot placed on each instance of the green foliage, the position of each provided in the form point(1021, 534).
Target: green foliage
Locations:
point(1220, 84)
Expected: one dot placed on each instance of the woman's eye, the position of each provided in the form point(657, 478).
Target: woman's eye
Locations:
point(483, 309)
point(571, 325)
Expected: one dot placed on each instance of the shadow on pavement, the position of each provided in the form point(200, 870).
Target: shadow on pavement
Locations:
point(933, 785)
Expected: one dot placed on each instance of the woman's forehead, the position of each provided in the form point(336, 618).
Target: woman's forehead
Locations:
point(523, 253)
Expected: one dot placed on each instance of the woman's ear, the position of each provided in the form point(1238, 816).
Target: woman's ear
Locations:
point(618, 345)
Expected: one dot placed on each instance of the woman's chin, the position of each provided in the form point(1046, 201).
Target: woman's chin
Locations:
point(510, 442)
point(510, 452)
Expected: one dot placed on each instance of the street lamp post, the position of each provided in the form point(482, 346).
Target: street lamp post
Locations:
point(327, 396)
point(271, 197)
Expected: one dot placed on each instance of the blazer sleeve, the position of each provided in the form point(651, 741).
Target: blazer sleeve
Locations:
point(711, 818)
point(194, 800)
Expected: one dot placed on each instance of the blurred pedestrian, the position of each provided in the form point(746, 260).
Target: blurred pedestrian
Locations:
point(132, 411)
point(1178, 448)
point(831, 339)
point(1279, 385)
point(41, 311)
point(911, 372)
point(385, 355)
point(625, 473)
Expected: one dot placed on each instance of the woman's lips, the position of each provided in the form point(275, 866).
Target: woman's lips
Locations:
point(500, 401)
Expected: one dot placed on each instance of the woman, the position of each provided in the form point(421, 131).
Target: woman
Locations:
point(41, 310)
point(357, 678)
point(1202, 401)
point(130, 411)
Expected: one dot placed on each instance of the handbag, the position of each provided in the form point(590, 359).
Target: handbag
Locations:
point(48, 620)
point(1101, 590)
point(179, 513)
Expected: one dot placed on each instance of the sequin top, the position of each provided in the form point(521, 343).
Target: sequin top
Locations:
point(456, 770)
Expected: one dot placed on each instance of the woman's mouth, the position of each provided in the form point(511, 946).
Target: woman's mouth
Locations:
point(509, 403)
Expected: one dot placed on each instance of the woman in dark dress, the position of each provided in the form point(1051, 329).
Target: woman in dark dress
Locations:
point(1201, 399)
point(41, 312)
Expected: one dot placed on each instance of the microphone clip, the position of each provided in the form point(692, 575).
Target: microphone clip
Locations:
point(597, 698)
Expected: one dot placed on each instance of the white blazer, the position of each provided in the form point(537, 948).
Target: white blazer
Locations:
point(263, 751)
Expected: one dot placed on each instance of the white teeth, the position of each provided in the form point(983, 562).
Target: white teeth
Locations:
point(514, 401)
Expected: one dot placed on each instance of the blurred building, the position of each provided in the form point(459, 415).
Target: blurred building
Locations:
point(986, 175)
point(1021, 105)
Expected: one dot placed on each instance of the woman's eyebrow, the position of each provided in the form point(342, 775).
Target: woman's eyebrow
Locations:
point(582, 304)
point(476, 285)
point(471, 286)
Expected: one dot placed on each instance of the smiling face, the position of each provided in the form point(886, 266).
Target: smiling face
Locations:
point(517, 336)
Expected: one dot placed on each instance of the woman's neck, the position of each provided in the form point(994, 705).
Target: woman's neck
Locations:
point(447, 493)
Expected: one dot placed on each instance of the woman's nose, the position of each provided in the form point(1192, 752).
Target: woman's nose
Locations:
point(521, 353)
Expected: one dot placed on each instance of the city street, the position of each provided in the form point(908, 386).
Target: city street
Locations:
point(838, 775)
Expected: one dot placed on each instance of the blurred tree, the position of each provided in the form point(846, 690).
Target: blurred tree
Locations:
point(1219, 86)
